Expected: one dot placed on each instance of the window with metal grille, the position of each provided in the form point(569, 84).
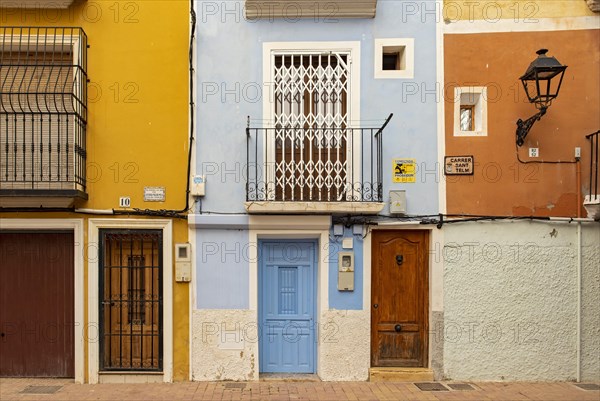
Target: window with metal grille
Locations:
point(470, 111)
point(43, 108)
point(131, 301)
point(311, 97)
point(136, 290)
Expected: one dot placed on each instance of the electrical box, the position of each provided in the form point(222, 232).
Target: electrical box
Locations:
point(346, 271)
point(183, 263)
point(338, 229)
point(198, 185)
point(398, 202)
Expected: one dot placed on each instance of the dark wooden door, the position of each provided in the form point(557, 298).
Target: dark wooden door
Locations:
point(36, 304)
point(131, 301)
point(399, 309)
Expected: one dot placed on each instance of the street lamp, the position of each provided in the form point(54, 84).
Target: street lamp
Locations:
point(540, 86)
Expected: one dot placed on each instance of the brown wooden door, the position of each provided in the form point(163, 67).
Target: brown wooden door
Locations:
point(131, 303)
point(399, 309)
point(36, 304)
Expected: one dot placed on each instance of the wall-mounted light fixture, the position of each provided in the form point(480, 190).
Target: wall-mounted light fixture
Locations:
point(540, 83)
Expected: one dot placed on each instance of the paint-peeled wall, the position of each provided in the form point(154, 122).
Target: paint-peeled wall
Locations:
point(511, 301)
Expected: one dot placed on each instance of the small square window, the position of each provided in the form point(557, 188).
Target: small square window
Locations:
point(394, 58)
point(470, 111)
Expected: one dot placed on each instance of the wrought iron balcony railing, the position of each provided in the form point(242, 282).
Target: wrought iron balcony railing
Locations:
point(314, 164)
point(43, 111)
point(592, 199)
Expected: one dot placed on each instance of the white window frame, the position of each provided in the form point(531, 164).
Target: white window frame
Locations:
point(480, 110)
point(409, 57)
point(272, 48)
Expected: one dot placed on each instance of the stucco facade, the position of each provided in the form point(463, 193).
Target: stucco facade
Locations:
point(137, 136)
point(226, 237)
point(511, 301)
point(520, 296)
point(506, 181)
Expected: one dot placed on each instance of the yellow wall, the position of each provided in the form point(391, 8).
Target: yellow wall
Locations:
point(137, 131)
point(518, 10)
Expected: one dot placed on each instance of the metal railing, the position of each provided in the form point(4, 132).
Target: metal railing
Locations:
point(315, 164)
point(43, 109)
point(593, 138)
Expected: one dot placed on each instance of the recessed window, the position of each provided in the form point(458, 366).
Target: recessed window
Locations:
point(470, 111)
point(467, 117)
point(394, 58)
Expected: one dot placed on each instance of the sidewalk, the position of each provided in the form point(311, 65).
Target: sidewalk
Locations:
point(61, 389)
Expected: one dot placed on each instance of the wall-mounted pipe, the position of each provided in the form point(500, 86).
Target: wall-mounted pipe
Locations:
point(94, 211)
point(579, 290)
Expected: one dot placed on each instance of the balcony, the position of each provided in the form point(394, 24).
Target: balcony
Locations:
point(43, 112)
point(592, 199)
point(325, 169)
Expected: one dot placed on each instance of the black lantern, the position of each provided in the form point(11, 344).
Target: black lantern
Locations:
point(542, 82)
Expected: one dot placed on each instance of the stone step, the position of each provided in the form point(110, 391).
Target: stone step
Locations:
point(400, 374)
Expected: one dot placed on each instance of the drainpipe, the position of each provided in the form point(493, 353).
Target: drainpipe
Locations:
point(579, 268)
point(578, 188)
point(94, 211)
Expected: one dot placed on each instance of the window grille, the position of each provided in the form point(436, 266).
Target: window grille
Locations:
point(43, 108)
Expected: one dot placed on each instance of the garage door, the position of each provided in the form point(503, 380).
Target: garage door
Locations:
point(36, 304)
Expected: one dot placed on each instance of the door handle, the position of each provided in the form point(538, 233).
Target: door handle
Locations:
point(111, 303)
point(398, 328)
point(376, 306)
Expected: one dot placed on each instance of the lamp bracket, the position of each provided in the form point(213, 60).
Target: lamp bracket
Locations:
point(523, 127)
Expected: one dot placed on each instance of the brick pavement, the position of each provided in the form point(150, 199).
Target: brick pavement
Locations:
point(11, 389)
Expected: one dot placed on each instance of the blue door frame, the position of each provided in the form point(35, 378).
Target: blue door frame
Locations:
point(287, 280)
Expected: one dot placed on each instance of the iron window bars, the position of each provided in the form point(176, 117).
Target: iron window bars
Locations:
point(594, 158)
point(131, 300)
point(43, 109)
point(315, 164)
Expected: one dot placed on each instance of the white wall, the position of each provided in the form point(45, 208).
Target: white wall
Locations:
point(510, 301)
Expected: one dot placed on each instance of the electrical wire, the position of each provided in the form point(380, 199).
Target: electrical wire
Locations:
point(542, 161)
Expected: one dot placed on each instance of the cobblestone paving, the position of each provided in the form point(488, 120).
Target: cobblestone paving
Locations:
point(12, 389)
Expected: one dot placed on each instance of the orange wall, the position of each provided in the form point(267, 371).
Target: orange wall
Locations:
point(501, 185)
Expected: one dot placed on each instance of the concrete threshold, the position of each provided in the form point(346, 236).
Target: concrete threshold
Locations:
point(400, 374)
point(288, 377)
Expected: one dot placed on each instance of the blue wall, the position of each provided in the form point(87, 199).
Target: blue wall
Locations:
point(229, 70)
point(222, 260)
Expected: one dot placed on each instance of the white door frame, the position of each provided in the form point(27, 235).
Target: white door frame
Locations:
point(292, 227)
point(94, 226)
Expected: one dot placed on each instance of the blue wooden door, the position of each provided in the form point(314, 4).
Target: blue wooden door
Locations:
point(287, 271)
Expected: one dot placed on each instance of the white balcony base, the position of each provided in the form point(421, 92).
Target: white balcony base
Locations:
point(275, 207)
point(592, 205)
